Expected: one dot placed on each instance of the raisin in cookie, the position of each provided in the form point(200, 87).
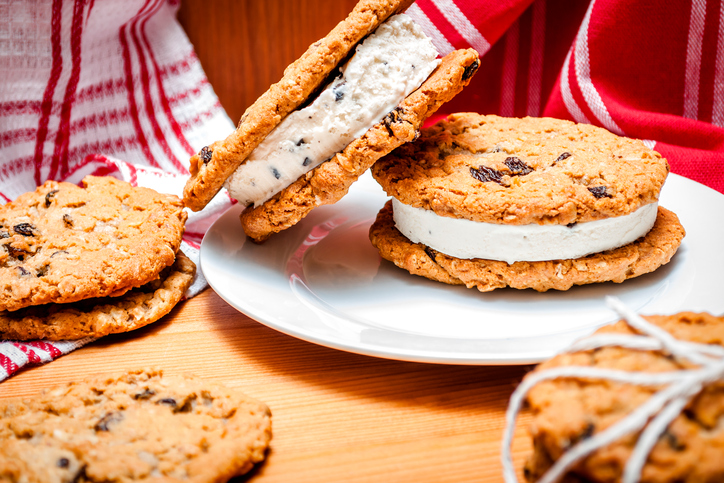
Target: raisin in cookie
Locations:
point(137, 426)
point(97, 317)
point(63, 243)
point(569, 410)
point(491, 202)
point(315, 132)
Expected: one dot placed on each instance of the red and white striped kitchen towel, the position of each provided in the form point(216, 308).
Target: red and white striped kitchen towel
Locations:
point(107, 88)
point(114, 88)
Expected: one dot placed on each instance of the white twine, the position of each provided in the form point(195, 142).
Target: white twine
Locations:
point(651, 418)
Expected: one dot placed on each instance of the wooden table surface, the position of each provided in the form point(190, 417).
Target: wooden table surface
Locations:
point(337, 416)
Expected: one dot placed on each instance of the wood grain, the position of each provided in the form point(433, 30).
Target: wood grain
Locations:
point(244, 45)
point(337, 416)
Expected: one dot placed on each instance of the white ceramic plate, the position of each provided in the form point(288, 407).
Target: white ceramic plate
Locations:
point(323, 282)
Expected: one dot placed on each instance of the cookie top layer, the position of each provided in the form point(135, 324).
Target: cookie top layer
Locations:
point(522, 171)
point(330, 181)
point(136, 426)
point(213, 164)
point(97, 317)
point(568, 410)
point(63, 243)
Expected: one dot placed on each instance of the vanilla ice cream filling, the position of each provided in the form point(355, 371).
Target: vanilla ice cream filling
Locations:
point(386, 67)
point(463, 238)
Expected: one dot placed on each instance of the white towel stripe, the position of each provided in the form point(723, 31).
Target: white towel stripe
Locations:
point(697, 22)
point(567, 95)
point(583, 76)
point(537, 47)
point(438, 39)
point(42, 354)
point(717, 113)
point(510, 71)
point(18, 357)
point(464, 27)
point(649, 143)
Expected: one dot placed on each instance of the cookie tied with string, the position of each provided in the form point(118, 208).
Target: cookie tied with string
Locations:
point(638, 401)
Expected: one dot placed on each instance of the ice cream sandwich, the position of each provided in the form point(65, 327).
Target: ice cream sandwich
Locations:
point(354, 96)
point(539, 203)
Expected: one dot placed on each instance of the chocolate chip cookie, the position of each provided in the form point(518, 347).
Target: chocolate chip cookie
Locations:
point(137, 426)
point(63, 243)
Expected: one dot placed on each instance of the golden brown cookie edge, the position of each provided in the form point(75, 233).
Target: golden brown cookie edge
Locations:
point(111, 315)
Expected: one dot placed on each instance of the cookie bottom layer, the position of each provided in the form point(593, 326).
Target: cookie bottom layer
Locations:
point(102, 316)
point(642, 256)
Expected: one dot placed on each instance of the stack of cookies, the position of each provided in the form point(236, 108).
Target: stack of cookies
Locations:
point(539, 203)
point(89, 261)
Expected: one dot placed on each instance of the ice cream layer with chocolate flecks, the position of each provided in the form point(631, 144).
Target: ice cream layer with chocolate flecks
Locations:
point(389, 65)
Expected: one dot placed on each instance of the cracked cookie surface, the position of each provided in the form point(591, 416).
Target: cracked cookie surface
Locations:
point(640, 257)
point(137, 426)
point(330, 181)
point(566, 411)
point(63, 243)
point(522, 171)
point(97, 317)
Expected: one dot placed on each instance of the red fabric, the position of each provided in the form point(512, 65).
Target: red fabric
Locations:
point(647, 70)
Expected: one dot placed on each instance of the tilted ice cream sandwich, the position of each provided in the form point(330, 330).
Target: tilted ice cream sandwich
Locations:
point(540, 203)
point(311, 135)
